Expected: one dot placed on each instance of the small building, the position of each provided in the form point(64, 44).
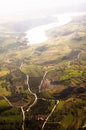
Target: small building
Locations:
point(41, 117)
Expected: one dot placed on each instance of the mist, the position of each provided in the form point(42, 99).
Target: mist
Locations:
point(23, 9)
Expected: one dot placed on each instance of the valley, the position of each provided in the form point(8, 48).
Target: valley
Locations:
point(43, 86)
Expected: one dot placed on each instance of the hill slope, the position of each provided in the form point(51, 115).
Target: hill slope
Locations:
point(63, 59)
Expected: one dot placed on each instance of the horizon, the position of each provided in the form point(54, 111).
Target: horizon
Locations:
point(22, 9)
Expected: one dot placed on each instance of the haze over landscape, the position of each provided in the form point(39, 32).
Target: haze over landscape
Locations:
point(42, 64)
point(15, 9)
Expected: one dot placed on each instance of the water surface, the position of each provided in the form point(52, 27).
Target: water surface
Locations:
point(38, 33)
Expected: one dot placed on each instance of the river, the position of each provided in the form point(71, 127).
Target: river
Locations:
point(38, 34)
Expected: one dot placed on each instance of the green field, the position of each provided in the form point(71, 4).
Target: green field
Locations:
point(10, 118)
point(63, 56)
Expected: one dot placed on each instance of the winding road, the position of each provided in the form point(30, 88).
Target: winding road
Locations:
point(8, 101)
point(44, 99)
point(35, 101)
point(42, 81)
point(50, 115)
point(34, 94)
point(23, 116)
point(23, 112)
point(36, 98)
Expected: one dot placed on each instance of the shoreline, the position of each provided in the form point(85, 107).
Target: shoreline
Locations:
point(37, 35)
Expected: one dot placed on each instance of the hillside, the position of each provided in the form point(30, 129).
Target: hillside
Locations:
point(57, 67)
